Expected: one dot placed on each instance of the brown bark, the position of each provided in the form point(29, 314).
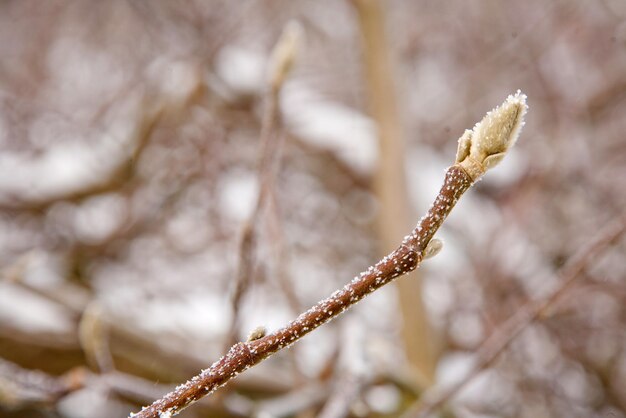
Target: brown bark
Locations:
point(244, 355)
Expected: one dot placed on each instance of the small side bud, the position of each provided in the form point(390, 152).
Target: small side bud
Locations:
point(432, 249)
point(486, 145)
point(257, 334)
point(465, 142)
point(284, 54)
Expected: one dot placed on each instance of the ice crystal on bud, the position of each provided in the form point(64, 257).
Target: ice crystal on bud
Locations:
point(484, 147)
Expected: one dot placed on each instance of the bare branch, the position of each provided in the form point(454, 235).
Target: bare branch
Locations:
point(244, 355)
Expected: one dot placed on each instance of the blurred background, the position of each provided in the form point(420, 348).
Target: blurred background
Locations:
point(129, 167)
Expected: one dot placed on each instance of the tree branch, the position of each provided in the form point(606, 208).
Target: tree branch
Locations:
point(491, 137)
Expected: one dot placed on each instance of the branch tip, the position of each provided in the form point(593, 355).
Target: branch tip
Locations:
point(486, 145)
point(284, 54)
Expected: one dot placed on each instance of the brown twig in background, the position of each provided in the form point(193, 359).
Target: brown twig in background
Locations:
point(93, 337)
point(390, 183)
point(479, 150)
point(271, 141)
point(505, 334)
point(20, 387)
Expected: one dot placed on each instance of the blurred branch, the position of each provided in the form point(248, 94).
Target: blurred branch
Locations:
point(390, 183)
point(505, 334)
point(603, 374)
point(93, 337)
point(490, 138)
point(347, 389)
point(283, 56)
point(120, 173)
point(21, 388)
point(127, 345)
point(294, 402)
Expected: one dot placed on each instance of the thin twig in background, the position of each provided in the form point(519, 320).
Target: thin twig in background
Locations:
point(479, 150)
point(279, 256)
point(276, 237)
point(506, 333)
point(347, 389)
point(20, 387)
point(94, 339)
point(390, 183)
point(271, 142)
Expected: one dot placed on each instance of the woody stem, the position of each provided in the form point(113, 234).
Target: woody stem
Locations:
point(244, 355)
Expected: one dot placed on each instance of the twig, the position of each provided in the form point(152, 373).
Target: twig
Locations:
point(94, 339)
point(283, 56)
point(390, 183)
point(505, 334)
point(21, 387)
point(490, 139)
